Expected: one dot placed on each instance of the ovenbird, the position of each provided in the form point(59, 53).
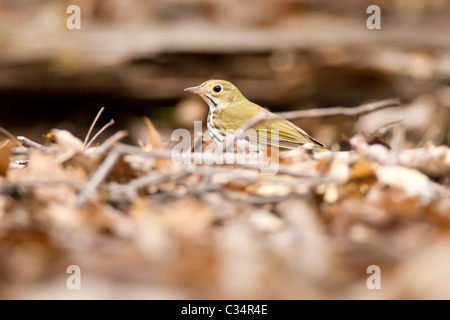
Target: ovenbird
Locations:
point(229, 109)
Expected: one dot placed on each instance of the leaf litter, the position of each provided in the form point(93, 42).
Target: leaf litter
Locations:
point(140, 226)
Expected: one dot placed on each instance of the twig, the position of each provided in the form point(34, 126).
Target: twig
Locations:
point(398, 140)
point(21, 151)
point(431, 160)
point(381, 130)
point(153, 179)
point(327, 165)
point(86, 139)
point(188, 159)
point(109, 124)
point(28, 143)
point(253, 199)
point(10, 136)
point(130, 189)
point(314, 113)
point(40, 183)
point(90, 189)
point(375, 152)
point(108, 143)
point(340, 111)
point(198, 140)
point(232, 174)
point(235, 174)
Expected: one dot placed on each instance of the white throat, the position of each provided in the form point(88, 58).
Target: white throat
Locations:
point(212, 103)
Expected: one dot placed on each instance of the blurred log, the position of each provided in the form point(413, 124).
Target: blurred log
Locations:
point(156, 62)
point(142, 56)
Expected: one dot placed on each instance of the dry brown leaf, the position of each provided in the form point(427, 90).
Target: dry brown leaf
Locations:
point(412, 182)
point(67, 143)
point(155, 143)
point(432, 160)
point(321, 163)
point(241, 266)
point(45, 167)
point(189, 217)
point(236, 185)
point(265, 221)
point(312, 251)
point(122, 172)
point(153, 135)
point(81, 167)
point(27, 256)
point(269, 190)
point(362, 170)
point(5, 153)
point(424, 275)
point(65, 140)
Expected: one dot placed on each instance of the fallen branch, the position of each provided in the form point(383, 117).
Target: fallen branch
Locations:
point(188, 158)
point(340, 111)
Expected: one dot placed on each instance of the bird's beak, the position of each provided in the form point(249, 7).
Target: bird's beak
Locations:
point(197, 90)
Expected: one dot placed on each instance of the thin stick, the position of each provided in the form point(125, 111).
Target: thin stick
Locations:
point(90, 189)
point(109, 124)
point(235, 173)
point(198, 140)
point(341, 111)
point(10, 136)
point(208, 158)
point(315, 113)
point(327, 165)
point(108, 143)
point(398, 140)
point(28, 143)
point(41, 183)
point(130, 189)
point(92, 127)
point(384, 128)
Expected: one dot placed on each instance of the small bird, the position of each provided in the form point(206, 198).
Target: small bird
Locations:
point(229, 109)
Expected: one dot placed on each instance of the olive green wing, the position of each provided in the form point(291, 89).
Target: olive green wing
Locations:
point(289, 135)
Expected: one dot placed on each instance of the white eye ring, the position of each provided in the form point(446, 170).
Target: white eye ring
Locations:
point(217, 88)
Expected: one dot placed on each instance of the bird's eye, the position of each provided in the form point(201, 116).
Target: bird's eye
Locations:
point(217, 88)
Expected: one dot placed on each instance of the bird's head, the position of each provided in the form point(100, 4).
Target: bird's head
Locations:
point(217, 93)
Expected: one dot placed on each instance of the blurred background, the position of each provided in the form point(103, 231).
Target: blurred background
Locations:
point(135, 58)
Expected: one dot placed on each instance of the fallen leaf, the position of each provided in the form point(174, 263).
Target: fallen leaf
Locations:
point(155, 143)
point(5, 153)
point(67, 143)
point(362, 170)
point(412, 182)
